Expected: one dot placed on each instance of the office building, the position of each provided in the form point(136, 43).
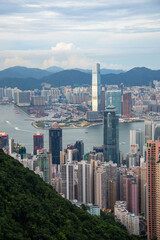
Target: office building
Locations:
point(116, 99)
point(96, 81)
point(80, 146)
point(111, 135)
point(38, 142)
point(55, 142)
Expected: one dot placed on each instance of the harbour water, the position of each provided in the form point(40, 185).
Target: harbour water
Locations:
point(19, 127)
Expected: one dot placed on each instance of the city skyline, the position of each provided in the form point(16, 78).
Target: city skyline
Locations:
point(71, 34)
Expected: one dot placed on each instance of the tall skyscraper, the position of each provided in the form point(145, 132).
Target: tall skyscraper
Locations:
point(55, 142)
point(96, 81)
point(100, 186)
point(116, 99)
point(111, 135)
point(38, 142)
point(153, 189)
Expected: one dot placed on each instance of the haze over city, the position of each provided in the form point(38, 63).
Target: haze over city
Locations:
point(70, 34)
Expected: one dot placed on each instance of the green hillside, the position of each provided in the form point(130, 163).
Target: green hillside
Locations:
point(31, 209)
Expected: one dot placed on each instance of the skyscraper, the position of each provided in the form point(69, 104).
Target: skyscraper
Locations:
point(55, 142)
point(100, 184)
point(153, 189)
point(84, 182)
point(116, 99)
point(67, 172)
point(96, 81)
point(80, 146)
point(38, 142)
point(111, 135)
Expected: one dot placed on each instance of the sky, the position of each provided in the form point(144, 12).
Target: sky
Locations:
point(119, 34)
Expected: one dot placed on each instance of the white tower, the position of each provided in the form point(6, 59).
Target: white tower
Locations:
point(96, 81)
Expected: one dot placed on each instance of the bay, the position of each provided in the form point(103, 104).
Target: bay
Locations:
point(19, 127)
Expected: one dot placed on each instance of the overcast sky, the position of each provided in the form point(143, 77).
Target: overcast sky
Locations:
point(119, 34)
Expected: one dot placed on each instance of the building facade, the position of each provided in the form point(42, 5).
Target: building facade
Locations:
point(111, 135)
point(55, 142)
point(96, 81)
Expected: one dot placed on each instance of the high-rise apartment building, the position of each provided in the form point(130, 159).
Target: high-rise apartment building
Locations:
point(96, 81)
point(43, 164)
point(126, 104)
point(100, 185)
point(111, 135)
point(67, 174)
point(38, 142)
point(84, 182)
point(153, 189)
point(55, 142)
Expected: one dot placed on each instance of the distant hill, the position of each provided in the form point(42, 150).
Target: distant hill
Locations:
point(68, 77)
point(135, 77)
point(138, 76)
point(54, 69)
point(103, 71)
point(31, 209)
point(23, 72)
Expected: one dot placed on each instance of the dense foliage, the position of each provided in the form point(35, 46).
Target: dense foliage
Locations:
point(31, 209)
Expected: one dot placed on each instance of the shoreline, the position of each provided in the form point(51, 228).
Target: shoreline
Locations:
point(91, 125)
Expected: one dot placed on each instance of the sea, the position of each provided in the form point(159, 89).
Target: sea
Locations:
point(19, 127)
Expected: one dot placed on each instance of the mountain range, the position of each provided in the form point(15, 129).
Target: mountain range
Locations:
point(32, 78)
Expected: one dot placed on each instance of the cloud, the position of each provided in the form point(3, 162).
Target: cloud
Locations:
point(67, 55)
point(73, 33)
point(16, 61)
